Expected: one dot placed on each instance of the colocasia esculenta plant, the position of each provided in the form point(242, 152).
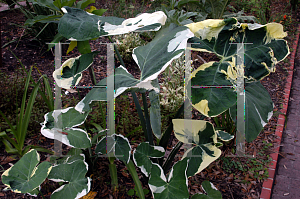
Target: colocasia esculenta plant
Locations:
point(215, 36)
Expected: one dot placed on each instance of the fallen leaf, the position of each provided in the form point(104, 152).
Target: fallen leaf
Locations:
point(90, 195)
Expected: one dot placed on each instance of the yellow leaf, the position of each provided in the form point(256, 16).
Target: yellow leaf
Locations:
point(92, 8)
point(72, 45)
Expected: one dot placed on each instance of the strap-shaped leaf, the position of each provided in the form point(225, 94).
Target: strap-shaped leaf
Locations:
point(210, 99)
point(73, 171)
point(224, 136)
point(176, 187)
point(264, 46)
point(155, 117)
point(61, 127)
point(211, 191)
point(204, 137)
point(152, 59)
point(258, 109)
point(25, 176)
point(142, 154)
point(117, 144)
point(80, 25)
point(43, 19)
point(69, 74)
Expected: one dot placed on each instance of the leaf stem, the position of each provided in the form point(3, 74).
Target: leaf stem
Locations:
point(130, 166)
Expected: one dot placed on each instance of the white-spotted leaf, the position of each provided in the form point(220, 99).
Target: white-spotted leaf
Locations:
point(25, 176)
point(59, 124)
point(142, 155)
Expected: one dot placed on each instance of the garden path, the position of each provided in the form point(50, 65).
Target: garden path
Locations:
point(287, 178)
point(4, 6)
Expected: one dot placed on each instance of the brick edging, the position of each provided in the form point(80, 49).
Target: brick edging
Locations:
point(268, 184)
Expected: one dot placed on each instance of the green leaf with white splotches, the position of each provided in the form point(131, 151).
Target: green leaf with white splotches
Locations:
point(79, 25)
point(202, 135)
point(152, 59)
point(72, 171)
point(211, 100)
point(264, 45)
point(211, 192)
point(175, 187)
point(70, 73)
point(25, 176)
point(59, 125)
point(118, 144)
point(142, 155)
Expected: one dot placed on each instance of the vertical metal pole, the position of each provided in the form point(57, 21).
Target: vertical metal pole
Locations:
point(57, 105)
point(240, 120)
point(110, 117)
point(187, 88)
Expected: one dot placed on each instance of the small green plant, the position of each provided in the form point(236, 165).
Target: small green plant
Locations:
point(127, 43)
point(172, 85)
point(15, 144)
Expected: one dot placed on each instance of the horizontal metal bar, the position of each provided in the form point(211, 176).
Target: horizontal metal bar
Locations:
point(88, 86)
point(212, 86)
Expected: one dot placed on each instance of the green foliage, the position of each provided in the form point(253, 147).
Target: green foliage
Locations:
point(252, 167)
point(127, 43)
point(19, 130)
point(172, 86)
point(260, 8)
point(152, 59)
point(42, 21)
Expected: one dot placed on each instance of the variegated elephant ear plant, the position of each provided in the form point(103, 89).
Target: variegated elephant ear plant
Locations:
point(214, 36)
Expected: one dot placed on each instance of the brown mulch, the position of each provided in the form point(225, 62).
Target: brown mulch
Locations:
point(30, 53)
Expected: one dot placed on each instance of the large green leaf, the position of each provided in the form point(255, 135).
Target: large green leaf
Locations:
point(25, 176)
point(142, 154)
point(258, 109)
point(69, 74)
point(118, 144)
point(209, 98)
point(79, 25)
point(152, 59)
point(176, 187)
point(203, 137)
point(60, 127)
point(264, 46)
point(46, 3)
point(72, 171)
